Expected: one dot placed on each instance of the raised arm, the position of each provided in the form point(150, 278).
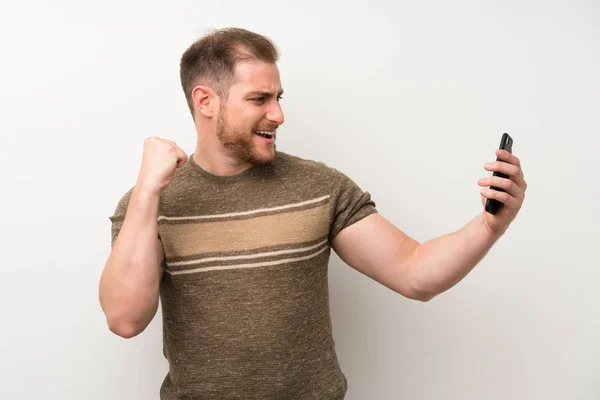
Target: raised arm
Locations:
point(129, 285)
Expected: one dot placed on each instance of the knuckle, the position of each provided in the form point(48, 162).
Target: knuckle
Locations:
point(151, 140)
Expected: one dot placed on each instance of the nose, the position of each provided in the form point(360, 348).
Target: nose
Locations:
point(275, 114)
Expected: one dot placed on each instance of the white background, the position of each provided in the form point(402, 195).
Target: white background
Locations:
point(407, 98)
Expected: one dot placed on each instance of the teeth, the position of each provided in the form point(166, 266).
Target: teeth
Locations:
point(267, 134)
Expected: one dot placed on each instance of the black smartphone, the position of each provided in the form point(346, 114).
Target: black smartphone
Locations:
point(492, 205)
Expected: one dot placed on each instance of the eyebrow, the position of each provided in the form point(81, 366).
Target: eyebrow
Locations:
point(264, 93)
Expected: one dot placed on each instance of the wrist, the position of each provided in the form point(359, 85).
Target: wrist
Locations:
point(146, 190)
point(493, 234)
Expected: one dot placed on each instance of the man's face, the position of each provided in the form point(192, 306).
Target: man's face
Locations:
point(251, 110)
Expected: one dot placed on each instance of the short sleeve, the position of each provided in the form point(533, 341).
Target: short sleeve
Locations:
point(119, 216)
point(350, 203)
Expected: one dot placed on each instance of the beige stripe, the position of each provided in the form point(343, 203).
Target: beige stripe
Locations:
point(296, 227)
point(250, 212)
point(247, 256)
point(239, 266)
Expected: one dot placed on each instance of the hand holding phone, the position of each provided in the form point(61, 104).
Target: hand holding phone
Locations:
point(492, 206)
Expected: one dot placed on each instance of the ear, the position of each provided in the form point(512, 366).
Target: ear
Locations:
point(205, 100)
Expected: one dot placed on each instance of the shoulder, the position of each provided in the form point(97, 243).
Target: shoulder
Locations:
point(318, 173)
point(306, 167)
point(182, 182)
point(178, 184)
point(122, 205)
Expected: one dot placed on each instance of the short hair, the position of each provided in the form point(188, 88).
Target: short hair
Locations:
point(211, 60)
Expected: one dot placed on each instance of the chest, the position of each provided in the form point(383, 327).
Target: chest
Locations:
point(198, 233)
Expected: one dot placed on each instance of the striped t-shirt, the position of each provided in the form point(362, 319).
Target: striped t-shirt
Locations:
point(244, 295)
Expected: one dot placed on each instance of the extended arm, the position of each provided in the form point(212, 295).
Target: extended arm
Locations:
point(383, 252)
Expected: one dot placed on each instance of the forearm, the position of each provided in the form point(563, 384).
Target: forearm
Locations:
point(130, 282)
point(441, 263)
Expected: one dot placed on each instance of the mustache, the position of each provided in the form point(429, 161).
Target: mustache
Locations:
point(271, 128)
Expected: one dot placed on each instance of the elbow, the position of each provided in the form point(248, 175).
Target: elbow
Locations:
point(118, 323)
point(123, 324)
point(413, 293)
point(425, 297)
point(124, 329)
point(127, 319)
point(420, 290)
point(421, 295)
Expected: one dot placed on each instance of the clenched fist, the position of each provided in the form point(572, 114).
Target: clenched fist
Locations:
point(160, 159)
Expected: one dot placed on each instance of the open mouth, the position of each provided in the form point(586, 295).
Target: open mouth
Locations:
point(269, 135)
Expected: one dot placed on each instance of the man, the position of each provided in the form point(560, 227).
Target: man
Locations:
point(235, 240)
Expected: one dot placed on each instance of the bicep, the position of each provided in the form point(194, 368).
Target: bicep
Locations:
point(378, 249)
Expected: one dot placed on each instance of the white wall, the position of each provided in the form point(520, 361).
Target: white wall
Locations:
point(409, 99)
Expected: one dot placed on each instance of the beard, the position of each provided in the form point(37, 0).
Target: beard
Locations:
point(241, 143)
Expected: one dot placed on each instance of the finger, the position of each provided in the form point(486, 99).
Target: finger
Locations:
point(170, 142)
point(504, 167)
point(179, 154)
point(181, 157)
point(508, 185)
point(519, 181)
point(502, 197)
point(512, 171)
point(508, 157)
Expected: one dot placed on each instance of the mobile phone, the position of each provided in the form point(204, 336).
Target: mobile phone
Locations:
point(492, 205)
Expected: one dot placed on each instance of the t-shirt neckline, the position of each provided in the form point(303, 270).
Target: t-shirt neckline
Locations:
point(221, 178)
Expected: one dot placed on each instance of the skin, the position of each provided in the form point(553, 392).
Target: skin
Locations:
point(421, 271)
point(373, 245)
point(225, 129)
point(227, 145)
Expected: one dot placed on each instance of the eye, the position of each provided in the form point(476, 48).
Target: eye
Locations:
point(279, 98)
point(259, 99)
